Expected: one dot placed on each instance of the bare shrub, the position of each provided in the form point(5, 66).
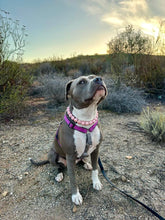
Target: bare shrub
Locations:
point(153, 123)
point(53, 87)
point(123, 99)
point(12, 38)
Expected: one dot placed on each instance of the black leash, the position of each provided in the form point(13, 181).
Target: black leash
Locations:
point(124, 193)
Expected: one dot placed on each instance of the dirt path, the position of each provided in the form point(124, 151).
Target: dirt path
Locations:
point(132, 161)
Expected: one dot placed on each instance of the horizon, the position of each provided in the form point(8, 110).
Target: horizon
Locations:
point(64, 29)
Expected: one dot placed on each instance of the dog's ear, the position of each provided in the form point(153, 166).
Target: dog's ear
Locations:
point(67, 89)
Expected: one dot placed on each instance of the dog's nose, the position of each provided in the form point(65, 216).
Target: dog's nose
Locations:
point(98, 80)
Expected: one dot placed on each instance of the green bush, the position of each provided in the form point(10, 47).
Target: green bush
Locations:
point(153, 123)
point(14, 84)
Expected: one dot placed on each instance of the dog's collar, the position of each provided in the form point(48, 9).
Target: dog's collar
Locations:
point(72, 124)
point(76, 120)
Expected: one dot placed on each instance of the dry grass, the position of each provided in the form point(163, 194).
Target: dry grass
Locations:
point(153, 123)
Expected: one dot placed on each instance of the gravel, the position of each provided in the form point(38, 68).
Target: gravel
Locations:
point(132, 161)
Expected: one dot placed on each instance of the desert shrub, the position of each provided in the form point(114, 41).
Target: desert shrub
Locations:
point(53, 87)
point(62, 66)
point(150, 71)
point(123, 99)
point(153, 123)
point(45, 68)
point(85, 68)
point(94, 64)
point(14, 84)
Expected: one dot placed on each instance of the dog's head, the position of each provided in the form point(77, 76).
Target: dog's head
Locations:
point(86, 90)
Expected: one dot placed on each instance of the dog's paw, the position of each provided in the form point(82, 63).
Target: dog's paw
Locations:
point(87, 166)
point(59, 177)
point(77, 198)
point(97, 185)
point(96, 182)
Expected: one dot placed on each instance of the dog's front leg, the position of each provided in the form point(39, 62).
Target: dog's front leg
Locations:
point(95, 179)
point(76, 196)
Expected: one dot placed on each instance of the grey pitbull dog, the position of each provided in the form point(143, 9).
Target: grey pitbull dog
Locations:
point(78, 135)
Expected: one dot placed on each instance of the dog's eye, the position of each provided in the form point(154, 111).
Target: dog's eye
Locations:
point(83, 81)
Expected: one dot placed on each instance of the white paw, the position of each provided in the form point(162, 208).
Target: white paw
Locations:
point(77, 198)
point(87, 166)
point(96, 182)
point(97, 185)
point(59, 177)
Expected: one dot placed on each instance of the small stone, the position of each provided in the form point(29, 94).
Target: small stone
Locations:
point(74, 208)
point(5, 193)
point(123, 178)
point(26, 173)
point(128, 157)
point(20, 177)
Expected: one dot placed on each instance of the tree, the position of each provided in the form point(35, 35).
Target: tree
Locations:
point(130, 41)
point(132, 59)
point(12, 38)
point(14, 81)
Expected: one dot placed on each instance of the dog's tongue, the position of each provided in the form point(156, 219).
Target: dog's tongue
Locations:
point(99, 93)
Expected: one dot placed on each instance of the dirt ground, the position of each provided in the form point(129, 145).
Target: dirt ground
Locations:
point(132, 161)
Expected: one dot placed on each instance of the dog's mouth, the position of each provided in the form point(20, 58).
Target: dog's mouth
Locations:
point(101, 88)
point(99, 93)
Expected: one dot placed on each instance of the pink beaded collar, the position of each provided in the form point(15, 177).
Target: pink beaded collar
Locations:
point(76, 120)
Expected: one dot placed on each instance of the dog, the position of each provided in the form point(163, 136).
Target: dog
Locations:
point(78, 136)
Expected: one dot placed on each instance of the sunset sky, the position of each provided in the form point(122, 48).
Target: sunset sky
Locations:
point(65, 28)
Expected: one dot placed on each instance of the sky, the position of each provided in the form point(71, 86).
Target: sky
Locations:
point(66, 28)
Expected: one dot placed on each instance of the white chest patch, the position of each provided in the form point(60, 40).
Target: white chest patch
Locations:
point(80, 141)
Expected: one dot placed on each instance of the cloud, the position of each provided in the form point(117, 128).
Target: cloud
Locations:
point(157, 8)
point(113, 20)
point(143, 14)
point(94, 7)
point(134, 7)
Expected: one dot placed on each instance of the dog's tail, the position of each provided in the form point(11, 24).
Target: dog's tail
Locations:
point(40, 163)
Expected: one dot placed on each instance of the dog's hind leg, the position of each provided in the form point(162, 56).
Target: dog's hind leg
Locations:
point(53, 156)
point(61, 163)
point(60, 175)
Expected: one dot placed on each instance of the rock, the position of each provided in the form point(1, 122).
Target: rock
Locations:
point(5, 193)
point(20, 177)
point(129, 157)
point(123, 178)
point(74, 209)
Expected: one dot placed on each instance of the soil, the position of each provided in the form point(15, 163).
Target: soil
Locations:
point(132, 161)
